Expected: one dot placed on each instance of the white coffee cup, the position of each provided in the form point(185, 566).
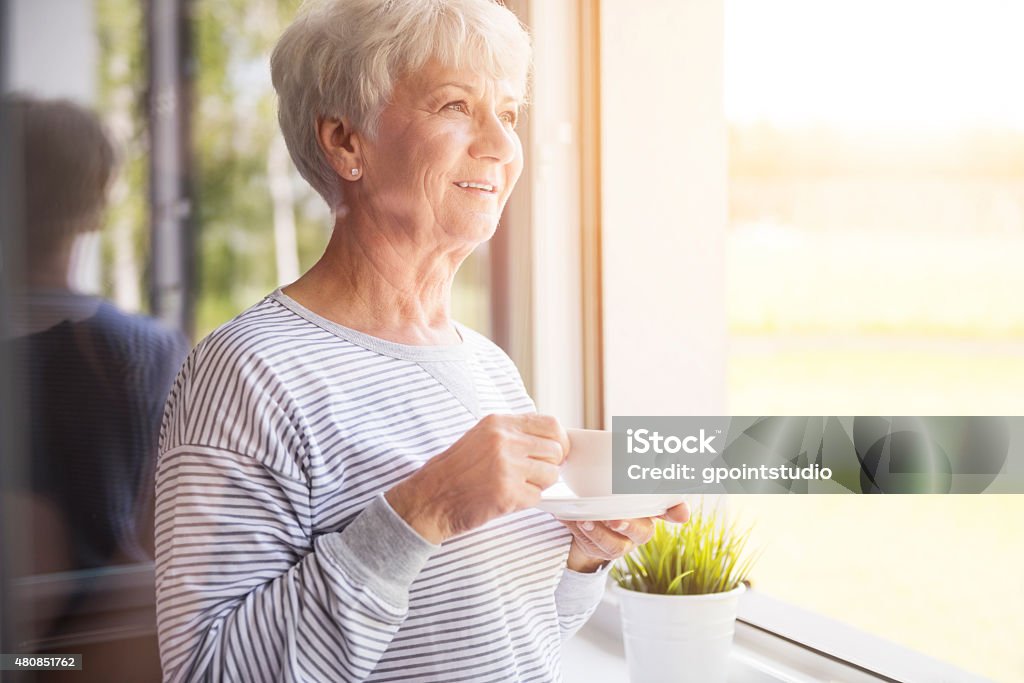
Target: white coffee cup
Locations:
point(587, 469)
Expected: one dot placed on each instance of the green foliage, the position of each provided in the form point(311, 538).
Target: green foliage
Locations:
point(234, 123)
point(120, 103)
point(699, 557)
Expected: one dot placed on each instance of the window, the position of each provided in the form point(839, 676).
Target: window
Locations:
point(818, 209)
point(876, 224)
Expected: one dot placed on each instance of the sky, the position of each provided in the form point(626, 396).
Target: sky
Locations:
point(936, 64)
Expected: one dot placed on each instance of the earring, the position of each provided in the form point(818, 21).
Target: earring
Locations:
point(355, 171)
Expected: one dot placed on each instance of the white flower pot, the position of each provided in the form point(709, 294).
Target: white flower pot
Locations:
point(678, 638)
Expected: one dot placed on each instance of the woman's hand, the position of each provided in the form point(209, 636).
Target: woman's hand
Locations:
point(595, 543)
point(499, 466)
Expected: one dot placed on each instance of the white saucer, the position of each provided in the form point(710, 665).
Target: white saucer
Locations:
point(622, 506)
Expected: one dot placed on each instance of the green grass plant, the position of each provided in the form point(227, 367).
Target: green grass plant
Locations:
point(699, 557)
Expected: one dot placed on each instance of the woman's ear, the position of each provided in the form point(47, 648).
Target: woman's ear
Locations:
point(340, 146)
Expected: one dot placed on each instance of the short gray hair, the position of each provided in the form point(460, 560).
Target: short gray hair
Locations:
point(342, 58)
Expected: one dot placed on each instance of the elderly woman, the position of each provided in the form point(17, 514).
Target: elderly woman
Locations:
point(347, 476)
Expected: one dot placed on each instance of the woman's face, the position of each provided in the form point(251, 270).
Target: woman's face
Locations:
point(447, 155)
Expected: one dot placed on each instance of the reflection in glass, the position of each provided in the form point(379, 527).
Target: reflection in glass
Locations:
point(92, 379)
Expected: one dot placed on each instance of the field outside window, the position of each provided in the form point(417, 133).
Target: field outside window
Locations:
point(876, 230)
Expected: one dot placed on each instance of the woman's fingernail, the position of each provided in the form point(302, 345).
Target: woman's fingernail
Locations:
point(620, 526)
point(587, 526)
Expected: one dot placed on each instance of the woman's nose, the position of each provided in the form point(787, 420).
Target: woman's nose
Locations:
point(494, 140)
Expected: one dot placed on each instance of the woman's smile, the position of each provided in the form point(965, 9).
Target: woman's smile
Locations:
point(479, 188)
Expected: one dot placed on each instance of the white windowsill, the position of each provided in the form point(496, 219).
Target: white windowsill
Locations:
point(774, 642)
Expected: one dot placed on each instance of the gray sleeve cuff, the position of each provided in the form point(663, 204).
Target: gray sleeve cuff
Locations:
point(380, 550)
point(579, 593)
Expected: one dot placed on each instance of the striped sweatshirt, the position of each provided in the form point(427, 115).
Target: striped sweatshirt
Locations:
point(278, 557)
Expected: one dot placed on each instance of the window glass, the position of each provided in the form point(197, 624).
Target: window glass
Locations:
point(876, 227)
point(87, 370)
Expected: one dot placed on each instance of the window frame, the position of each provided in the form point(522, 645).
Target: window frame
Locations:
point(542, 253)
point(663, 208)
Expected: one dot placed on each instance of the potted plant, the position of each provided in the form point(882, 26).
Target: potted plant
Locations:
point(678, 596)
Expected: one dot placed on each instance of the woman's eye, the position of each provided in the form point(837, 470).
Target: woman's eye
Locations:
point(509, 118)
point(457, 106)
